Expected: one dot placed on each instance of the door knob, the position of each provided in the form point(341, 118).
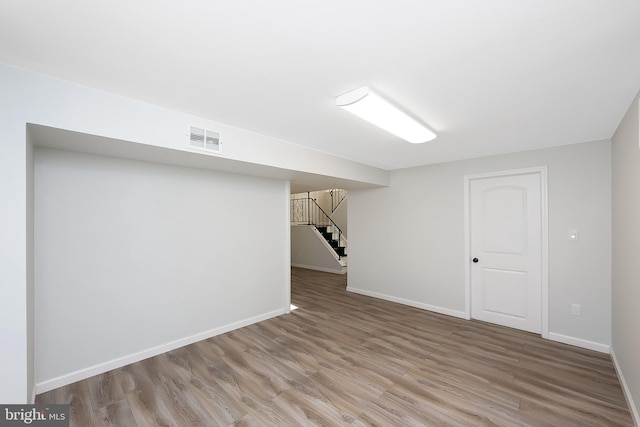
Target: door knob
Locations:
point(475, 260)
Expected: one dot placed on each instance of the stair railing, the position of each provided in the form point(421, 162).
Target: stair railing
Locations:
point(307, 211)
point(337, 196)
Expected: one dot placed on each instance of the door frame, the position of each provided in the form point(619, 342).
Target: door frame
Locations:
point(544, 237)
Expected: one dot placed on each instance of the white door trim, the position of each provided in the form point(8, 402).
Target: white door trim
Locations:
point(542, 171)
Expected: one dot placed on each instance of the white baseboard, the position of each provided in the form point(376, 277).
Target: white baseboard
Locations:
point(90, 371)
point(428, 307)
point(591, 345)
point(635, 414)
point(341, 270)
point(578, 342)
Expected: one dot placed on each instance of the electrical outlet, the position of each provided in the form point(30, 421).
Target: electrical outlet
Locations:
point(575, 309)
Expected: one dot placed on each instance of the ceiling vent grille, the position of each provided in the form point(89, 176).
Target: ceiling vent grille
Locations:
point(204, 139)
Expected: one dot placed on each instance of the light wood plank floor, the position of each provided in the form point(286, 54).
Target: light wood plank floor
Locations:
point(346, 359)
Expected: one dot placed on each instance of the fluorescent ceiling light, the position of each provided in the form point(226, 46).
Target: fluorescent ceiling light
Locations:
point(373, 108)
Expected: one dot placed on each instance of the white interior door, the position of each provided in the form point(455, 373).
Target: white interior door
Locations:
point(505, 250)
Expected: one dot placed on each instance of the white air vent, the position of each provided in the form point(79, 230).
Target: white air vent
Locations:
point(204, 139)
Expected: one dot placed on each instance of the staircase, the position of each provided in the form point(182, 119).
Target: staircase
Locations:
point(306, 211)
point(330, 237)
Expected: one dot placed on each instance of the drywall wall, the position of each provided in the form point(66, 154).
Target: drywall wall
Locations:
point(323, 199)
point(14, 261)
point(339, 216)
point(417, 254)
point(309, 250)
point(625, 346)
point(135, 258)
point(32, 98)
point(31, 391)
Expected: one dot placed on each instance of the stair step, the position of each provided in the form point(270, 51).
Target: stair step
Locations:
point(328, 236)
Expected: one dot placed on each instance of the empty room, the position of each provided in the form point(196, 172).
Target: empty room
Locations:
point(336, 213)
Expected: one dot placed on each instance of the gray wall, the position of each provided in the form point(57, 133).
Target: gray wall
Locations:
point(339, 216)
point(31, 389)
point(309, 250)
point(129, 128)
point(626, 250)
point(134, 258)
point(416, 254)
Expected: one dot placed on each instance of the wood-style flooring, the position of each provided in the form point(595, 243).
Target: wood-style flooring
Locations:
point(345, 359)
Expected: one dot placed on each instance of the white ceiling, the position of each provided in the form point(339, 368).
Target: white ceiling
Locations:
point(489, 76)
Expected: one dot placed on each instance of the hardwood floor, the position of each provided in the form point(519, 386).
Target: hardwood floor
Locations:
point(347, 359)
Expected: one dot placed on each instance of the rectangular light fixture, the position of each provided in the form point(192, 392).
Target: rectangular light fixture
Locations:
point(370, 106)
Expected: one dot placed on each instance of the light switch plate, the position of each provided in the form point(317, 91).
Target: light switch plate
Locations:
point(574, 235)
